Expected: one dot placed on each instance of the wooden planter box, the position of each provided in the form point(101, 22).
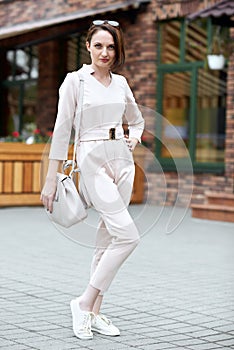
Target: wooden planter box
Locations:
point(139, 181)
point(22, 174)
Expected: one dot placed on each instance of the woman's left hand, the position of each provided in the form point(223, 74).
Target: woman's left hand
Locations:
point(131, 143)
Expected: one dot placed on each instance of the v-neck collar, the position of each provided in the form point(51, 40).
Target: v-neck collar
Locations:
point(90, 70)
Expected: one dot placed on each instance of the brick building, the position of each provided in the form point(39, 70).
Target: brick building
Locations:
point(41, 41)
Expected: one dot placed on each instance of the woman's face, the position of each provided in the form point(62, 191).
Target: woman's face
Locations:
point(102, 49)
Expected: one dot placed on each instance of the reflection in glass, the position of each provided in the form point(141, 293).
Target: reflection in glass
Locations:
point(77, 54)
point(23, 64)
point(176, 91)
point(170, 42)
point(22, 107)
point(211, 110)
point(196, 41)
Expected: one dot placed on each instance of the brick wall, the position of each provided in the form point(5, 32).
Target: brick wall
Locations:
point(229, 155)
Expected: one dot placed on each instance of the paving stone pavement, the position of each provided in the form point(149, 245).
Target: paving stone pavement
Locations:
point(176, 291)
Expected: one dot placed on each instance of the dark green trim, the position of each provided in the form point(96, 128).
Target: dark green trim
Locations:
point(9, 83)
point(182, 42)
point(192, 114)
point(158, 131)
point(21, 102)
point(159, 41)
point(180, 67)
point(209, 33)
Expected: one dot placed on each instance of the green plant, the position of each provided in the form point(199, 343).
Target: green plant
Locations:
point(36, 137)
point(14, 137)
point(220, 43)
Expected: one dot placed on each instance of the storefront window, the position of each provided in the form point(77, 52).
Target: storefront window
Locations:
point(191, 97)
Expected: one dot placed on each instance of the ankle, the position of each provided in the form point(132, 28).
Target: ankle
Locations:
point(84, 306)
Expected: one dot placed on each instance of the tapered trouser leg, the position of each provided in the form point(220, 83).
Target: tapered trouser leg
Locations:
point(117, 236)
point(103, 240)
point(108, 259)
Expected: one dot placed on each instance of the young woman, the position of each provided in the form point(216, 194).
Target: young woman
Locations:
point(106, 163)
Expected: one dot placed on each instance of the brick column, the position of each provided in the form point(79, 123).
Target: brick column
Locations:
point(140, 68)
point(229, 154)
point(48, 84)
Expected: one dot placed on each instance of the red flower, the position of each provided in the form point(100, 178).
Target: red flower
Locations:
point(49, 133)
point(15, 134)
point(37, 131)
point(144, 137)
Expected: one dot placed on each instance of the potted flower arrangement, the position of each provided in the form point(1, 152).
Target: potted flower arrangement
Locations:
point(217, 51)
point(30, 135)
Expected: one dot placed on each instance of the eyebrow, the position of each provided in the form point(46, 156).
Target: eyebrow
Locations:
point(99, 42)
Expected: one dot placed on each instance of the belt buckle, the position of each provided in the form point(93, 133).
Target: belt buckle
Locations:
point(112, 134)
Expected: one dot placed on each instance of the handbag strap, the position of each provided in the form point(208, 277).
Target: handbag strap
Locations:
point(77, 129)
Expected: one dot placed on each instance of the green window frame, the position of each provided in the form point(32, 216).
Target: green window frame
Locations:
point(178, 65)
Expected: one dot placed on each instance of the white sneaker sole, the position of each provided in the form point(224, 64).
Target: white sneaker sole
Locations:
point(78, 335)
point(103, 332)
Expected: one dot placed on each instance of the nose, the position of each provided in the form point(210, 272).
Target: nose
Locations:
point(104, 51)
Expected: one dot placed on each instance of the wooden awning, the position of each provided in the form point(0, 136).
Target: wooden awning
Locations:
point(222, 13)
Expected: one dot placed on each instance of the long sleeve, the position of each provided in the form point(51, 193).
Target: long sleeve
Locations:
point(68, 93)
point(133, 115)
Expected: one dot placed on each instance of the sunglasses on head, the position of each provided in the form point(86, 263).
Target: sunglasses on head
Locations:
point(99, 22)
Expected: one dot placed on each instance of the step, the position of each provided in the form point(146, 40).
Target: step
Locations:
point(213, 212)
point(221, 198)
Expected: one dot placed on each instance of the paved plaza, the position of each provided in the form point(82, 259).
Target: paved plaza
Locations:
point(176, 291)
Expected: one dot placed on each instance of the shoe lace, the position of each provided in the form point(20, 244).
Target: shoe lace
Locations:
point(105, 319)
point(86, 323)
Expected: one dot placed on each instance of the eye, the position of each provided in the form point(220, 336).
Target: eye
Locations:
point(111, 47)
point(98, 45)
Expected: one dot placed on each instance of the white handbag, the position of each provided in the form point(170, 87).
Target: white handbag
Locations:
point(68, 206)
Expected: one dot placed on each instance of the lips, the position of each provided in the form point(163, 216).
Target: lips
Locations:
point(104, 60)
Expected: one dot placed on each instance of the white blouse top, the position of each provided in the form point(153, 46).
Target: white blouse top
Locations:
point(103, 108)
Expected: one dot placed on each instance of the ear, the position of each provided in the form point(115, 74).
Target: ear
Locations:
point(87, 46)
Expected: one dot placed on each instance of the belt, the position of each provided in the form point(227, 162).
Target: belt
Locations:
point(105, 134)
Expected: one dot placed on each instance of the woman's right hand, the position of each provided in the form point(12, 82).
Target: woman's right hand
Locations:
point(49, 190)
point(48, 193)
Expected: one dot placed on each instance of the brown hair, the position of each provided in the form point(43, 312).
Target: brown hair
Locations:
point(117, 35)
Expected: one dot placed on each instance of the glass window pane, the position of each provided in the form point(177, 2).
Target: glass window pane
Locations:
point(176, 102)
point(22, 108)
point(211, 116)
point(170, 42)
point(77, 53)
point(196, 41)
point(23, 64)
point(13, 96)
point(34, 63)
point(29, 108)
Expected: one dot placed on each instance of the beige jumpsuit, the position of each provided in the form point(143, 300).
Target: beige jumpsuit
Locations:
point(106, 165)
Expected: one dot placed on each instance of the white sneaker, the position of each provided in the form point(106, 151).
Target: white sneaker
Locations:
point(81, 321)
point(101, 324)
